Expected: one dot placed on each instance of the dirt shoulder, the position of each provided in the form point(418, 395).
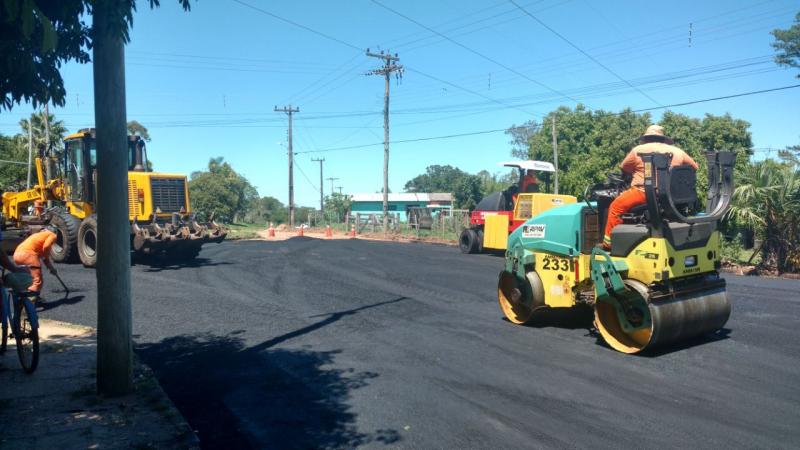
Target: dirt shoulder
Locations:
point(282, 235)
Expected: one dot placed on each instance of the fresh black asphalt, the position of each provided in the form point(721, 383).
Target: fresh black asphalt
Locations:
point(337, 344)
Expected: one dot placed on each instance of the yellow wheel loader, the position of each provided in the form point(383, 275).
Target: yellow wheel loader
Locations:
point(161, 218)
point(659, 284)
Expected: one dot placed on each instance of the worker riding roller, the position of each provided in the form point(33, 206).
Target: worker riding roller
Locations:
point(647, 262)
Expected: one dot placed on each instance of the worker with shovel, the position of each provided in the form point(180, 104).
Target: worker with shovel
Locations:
point(34, 251)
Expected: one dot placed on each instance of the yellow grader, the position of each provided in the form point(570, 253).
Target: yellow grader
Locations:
point(160, 214)
point(659, 284)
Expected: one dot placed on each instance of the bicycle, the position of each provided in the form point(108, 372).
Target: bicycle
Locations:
point(18, 311)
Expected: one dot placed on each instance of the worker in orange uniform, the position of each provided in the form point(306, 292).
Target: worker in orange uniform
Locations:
point(38, 207)
point(529, 180)
point(652, 141)
point(34, 248)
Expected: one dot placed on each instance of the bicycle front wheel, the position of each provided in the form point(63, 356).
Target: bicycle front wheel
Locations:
point(26, 334)
point(5, 317)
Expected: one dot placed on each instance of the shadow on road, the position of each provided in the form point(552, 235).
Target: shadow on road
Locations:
point(238, 397)
point(157, 264)
point(46, 306)
point(719, 335)
point(578, 317)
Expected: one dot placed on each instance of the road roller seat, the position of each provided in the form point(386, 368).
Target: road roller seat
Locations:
point(683, 188)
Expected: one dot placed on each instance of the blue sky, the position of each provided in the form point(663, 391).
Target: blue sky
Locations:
point(205, 82)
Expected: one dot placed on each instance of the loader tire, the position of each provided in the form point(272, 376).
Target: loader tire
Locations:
point(64, 249)
point(468, 241)
point(87, 241)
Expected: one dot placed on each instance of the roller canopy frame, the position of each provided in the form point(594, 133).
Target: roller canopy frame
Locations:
point(657, 190)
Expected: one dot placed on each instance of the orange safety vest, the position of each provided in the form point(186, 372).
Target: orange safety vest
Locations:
point(38, 243)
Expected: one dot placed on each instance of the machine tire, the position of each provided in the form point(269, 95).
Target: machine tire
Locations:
point(468, 241)
point(480, 241)
point(87, 241)
point(65, 250)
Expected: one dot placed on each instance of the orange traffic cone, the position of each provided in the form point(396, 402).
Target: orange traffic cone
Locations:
point(328, 231)
point(271, 230)
point(352, 231)
point(300, 230)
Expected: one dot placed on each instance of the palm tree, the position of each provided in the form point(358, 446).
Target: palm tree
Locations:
point(767, 200)
point(37, 124)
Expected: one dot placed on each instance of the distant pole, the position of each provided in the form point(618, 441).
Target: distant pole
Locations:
point(340, 189)
point(289, 111)
point(555, 157)
point(321, 194)
point(332, 180)
point(389, 66)
point(47, 165)
point(114, 316)
point(47, 128)
point(30, 151)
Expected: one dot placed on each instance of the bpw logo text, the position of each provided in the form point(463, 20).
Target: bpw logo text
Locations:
point(534, 230)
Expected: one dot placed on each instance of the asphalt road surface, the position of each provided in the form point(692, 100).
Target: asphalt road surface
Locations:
point(337, 344)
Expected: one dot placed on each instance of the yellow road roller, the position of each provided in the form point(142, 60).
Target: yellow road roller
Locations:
point(658, 285)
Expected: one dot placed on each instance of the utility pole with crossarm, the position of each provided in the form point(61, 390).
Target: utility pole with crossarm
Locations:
point(390, 65)
point(289, 111)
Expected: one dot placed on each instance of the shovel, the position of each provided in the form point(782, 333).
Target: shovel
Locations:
point(66, 289)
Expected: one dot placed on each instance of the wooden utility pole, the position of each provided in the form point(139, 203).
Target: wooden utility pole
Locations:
point(321, 193)
point(555, 157)
point(30, 152)
point(114, 322)
point(390, 65)
point(289, 111)
point(332, 180)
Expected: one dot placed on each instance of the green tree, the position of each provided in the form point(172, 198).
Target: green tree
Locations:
point(436, 179)
point(37, 124)
point(466, 188)
point(13, 151)
point(521, 136)
point(590, 143)
point(221, 191)
point(495, 182)
point(337, 206)
point(787, 45)
point(267, 209)
point(767, 200)
point(37, 37)
point(593, 143)
point(467, 192)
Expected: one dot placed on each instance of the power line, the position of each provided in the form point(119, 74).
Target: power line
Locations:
point(306, 176)
point(608, 69)
point(492, 60)
point(743, 94)
point(298, 25)
point(449, 136)
point(410, 69)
